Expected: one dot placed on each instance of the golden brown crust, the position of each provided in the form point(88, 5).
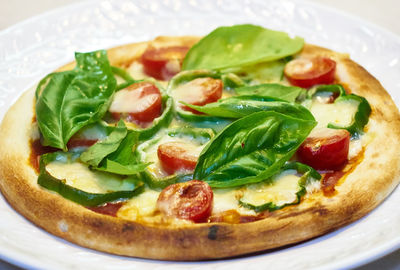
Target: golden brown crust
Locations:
point(370, 183)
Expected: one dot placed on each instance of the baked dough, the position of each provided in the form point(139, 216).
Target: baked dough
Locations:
point(363, 189)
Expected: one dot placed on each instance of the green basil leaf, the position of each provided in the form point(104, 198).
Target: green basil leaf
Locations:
point(240, 106)
point(288, 93)
point(124, 161)
point(74, 99)
point(97, 152)
point(202, 135)
point(308, 175)
point(79, 196)
point(251, 149)
point(240, 45)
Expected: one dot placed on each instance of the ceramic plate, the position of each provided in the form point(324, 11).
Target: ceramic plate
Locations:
point(35, 47)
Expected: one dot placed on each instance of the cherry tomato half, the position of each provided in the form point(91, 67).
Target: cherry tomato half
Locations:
point(176, 156)
point(163, 63)
point(325, 149)
point(191, 200)
point(199, 92)
point(139, 102)
point(306, 72)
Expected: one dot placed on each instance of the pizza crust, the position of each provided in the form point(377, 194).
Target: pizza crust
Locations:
point(363, 189)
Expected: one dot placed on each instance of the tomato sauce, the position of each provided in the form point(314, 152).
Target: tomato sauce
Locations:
point(110, 209)
point(37, 149)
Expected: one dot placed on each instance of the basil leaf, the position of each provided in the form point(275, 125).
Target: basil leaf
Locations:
point(230, 82)
point(124, 161)
point(201, 135)
point(74, 99)
point(79, 196)
point(240, 106)
point(288, 93)
point(240, 45)
point(251, 149)
point(97, 152)
point(308, 175)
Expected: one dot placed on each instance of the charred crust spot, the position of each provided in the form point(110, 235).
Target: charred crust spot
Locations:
point(212, 232)
point(128, 228)
point(97, 223)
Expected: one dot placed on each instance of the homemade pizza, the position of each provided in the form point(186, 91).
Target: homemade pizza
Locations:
point(189, 148)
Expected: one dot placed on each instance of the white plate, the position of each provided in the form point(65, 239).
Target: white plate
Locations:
point(35, 47)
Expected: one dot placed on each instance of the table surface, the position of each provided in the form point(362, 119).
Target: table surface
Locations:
point(386, 17)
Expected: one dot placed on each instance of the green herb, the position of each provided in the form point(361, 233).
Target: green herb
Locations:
point(240, 106)
point(73, 99)
point(251, 149)
point(240, 45)
point(288, 93)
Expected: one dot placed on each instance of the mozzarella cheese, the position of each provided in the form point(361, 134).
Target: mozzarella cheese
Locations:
point(341, 113)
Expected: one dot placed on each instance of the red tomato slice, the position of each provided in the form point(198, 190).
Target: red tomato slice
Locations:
point(140, 102)
point(176, 156)
point(191, 200)
point(199, 92)
point(326, 149)
point(306, 72)
point(163, 63)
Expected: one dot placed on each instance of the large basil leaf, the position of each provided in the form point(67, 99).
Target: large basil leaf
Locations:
point(240, 45)
point(288, 93)
point(73, 99)
point(79, 196)
point(251, 149)
point(240, 106)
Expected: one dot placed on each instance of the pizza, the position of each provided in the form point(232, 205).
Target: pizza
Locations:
point(190, 148)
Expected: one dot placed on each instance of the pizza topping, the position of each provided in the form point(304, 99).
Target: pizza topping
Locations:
point(251, 149)
point(348, 111)
point(240, 106)
point(273, 90)
point(71, 100)
point(325, 149)
point(176, 157)
point(163, 63)
point(199, 91)
point(74, 181)
point(115, 153)
point(140, 102)
point(306, 72)
point(110, 209)
point(285, 188)
point(240, 45)
point(192, 200)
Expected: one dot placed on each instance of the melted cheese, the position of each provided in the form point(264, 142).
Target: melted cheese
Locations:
point(341, 113)
point(281, 190)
